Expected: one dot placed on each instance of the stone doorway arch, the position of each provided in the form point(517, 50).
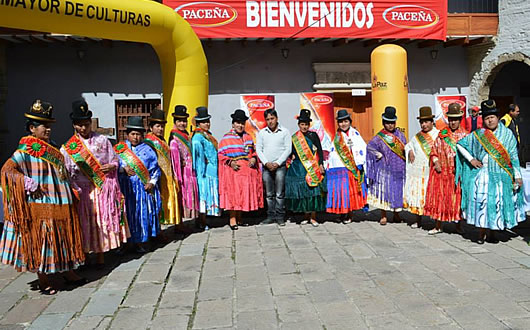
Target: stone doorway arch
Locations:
point(483, 80)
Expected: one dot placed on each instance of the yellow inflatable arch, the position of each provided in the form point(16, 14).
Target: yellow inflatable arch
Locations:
point(182, 59)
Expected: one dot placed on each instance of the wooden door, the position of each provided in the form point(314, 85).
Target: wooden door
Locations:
point(502, 103)
point(360, 109)
point(128, 108)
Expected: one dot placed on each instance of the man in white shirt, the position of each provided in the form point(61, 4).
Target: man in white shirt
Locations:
point(274, 147)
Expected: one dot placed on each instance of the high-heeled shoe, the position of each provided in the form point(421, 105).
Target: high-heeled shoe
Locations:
point(234, 227)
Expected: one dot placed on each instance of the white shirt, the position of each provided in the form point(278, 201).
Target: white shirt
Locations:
point(357, 147)
point(273, 147)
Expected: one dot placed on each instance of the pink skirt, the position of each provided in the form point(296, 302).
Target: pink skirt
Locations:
point(240, 190)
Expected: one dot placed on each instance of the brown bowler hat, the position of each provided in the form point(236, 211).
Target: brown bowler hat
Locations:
point(454, 111)
point(425, 113)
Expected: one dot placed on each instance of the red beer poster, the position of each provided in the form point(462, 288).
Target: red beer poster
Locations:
point(255, 106)
point(441, 105)
point(322, 113)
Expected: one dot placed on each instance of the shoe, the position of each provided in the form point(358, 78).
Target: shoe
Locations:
point(480, 241)
point(434, 231)
point(234, 227)
point(281, 222)
point(460, 230)
point(304, 222)
point(415, 225)
point(48, 290)
point(346, 221)
point(200, 225)
point(492, 240)
point(314, 223)
point(383, 223)
point(140, 249)
point(268, 221)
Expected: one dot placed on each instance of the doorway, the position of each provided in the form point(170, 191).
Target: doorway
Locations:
point(360, 109)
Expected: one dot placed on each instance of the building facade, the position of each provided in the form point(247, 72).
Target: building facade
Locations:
point(486, 53)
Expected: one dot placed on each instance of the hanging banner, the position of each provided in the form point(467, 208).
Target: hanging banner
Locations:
point(410, 19)
point(255, 106)
point(323, 115)
point(442, 103)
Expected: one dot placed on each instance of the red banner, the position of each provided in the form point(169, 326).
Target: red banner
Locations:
point(407, 19)
point(255, 106)
point(442, 105)
point(322, 114)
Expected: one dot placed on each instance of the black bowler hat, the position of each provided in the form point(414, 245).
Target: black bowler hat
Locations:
point(180, 112)
point(41, 112)
point(239, 115)
point(80, 110)
point(158, 116)
point(389, 114)
point(488, 107)
point(202, 114)
point(343, 114)
point(305, 115)
point(135, 123)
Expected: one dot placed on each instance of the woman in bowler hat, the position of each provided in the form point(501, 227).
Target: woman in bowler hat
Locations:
point(240, 182)
point(205, 163)
point(41, 232)
point(139, 177)
point(170, 214)
point(182, 159)
point(93, 168)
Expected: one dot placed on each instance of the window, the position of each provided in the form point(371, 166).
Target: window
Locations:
point(473, 6)
point(128, 108)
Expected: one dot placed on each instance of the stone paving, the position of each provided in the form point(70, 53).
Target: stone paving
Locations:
point(356, 276)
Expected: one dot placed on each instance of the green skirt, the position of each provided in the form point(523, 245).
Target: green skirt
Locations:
point(299, 196)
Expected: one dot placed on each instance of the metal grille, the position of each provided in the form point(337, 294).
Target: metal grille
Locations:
point(473, 6)
point(128, 108)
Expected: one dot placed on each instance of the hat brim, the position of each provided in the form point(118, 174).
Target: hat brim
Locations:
point(389, 119)
point(180, 116)
point(41, 119)
point(425, 117)
point(140, 128)
point(344, 117)
point(304, 118)
point(157, 120)
point(455, 115)
point(88, 116)
point(202, 118)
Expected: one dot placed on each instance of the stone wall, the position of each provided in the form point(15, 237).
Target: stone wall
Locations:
point(512, 43)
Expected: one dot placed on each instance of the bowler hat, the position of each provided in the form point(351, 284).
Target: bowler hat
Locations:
point(135, 123)
point(80, 110)
point(454, 111)
point(305, 115)
point(488, 107)
point(343, 114)
point(239, 115)
point(389, 114)
point(41, 112)
point(202, 114)
point(425, 113)
point(180, 112)
point(158, 116)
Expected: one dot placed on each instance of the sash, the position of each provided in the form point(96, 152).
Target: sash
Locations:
point(128, 156)
point(159, 145)
point(314, 175)
point(207, 135)
point(347, 157)
point(448, 138)
point(393, 143)
point(426, 142)
point(85, 160)
point(496, 150)
point(183, 137)
point(39, 149)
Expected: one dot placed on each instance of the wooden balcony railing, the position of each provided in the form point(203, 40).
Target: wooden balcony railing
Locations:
point(475, 24)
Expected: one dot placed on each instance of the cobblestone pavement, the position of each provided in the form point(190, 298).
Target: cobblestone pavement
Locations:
point(356, 276)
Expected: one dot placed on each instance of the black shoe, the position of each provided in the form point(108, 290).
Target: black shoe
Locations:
point(200, 225)
point(268, 221)
point(492, 240)
point(79, 282)
point(234, 227)
point(480, 241)
point(281, 222)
